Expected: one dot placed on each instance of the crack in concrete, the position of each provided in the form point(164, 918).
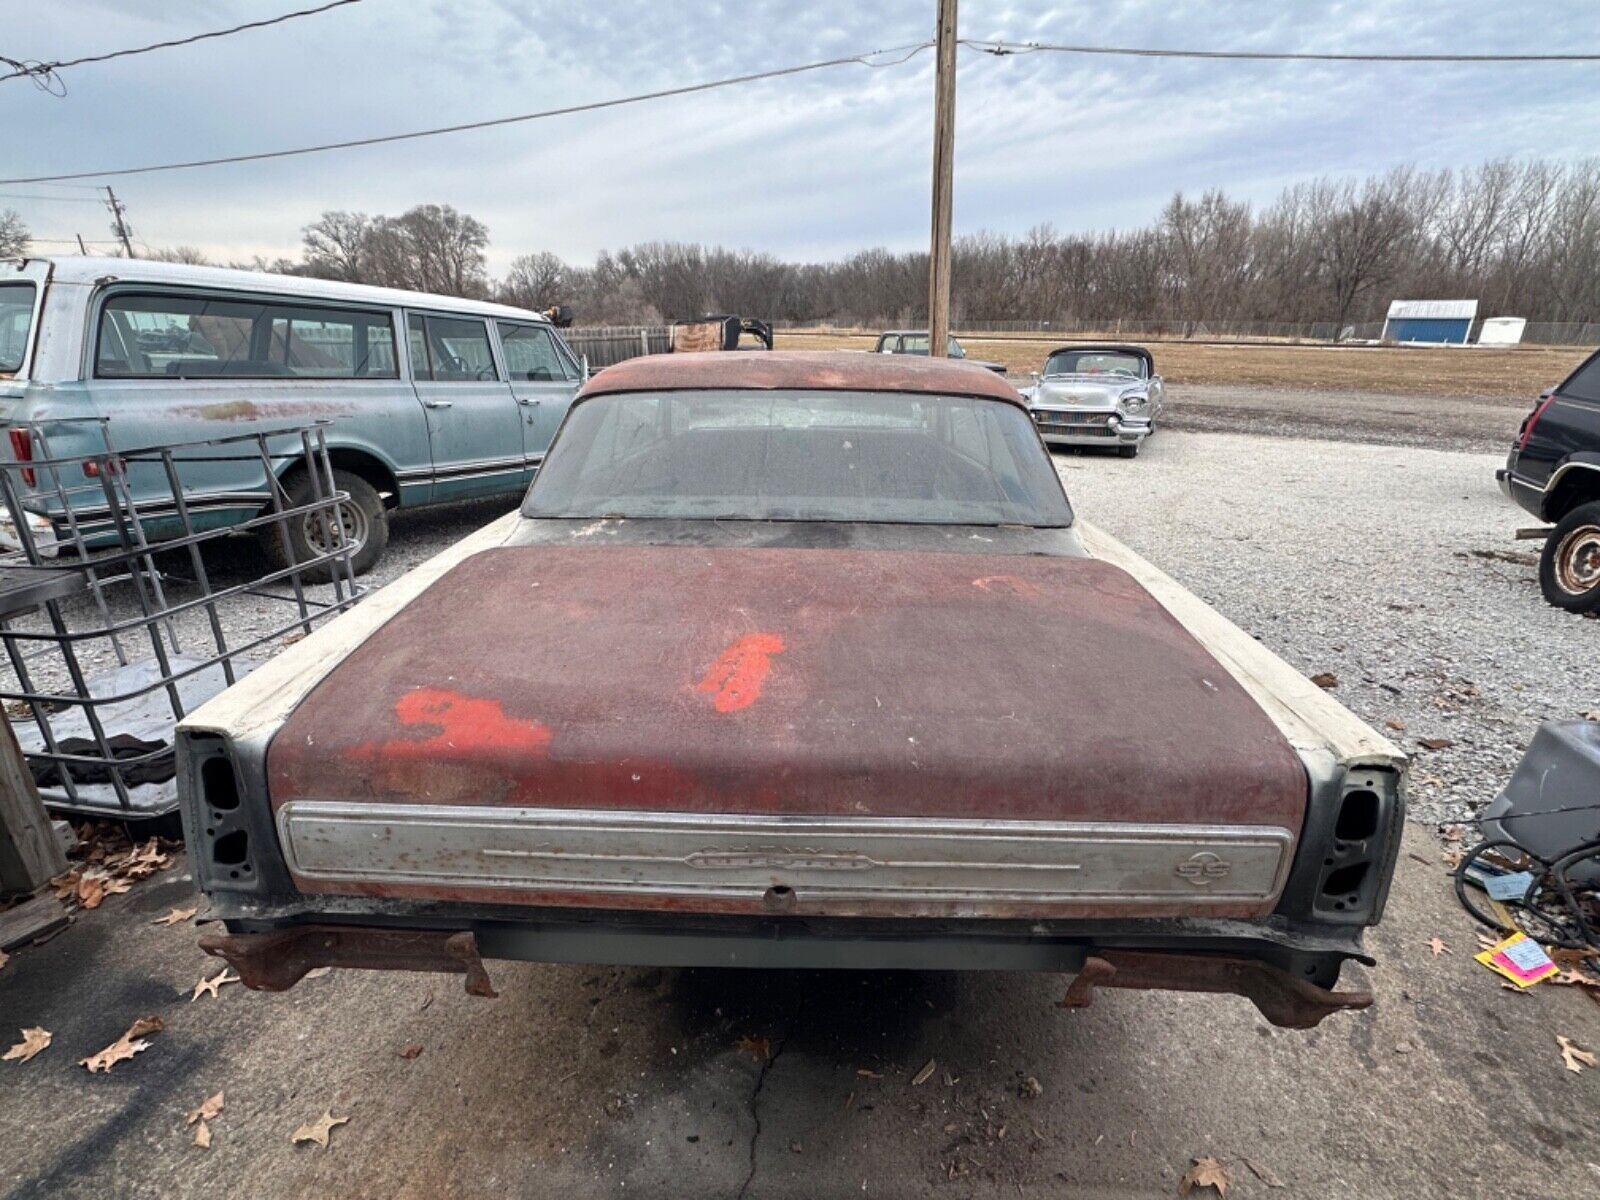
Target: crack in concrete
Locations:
point(761, 1080)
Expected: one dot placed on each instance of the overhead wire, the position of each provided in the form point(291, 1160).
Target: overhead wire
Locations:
point(45, 73)
point(1000, 48)
point(907, 52)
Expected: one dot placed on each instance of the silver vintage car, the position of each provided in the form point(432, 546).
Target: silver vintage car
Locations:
point(1097, 396)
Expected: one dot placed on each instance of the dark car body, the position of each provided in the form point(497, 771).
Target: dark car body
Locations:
point(908, 718)
point(915, 341)
point(1553, 471)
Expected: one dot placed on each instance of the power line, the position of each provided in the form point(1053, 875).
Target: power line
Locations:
point(49, 199)
point(908, 52)
point(42, 72)
point(1002, 48)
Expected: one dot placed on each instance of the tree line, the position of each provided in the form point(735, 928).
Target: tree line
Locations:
point(1521, 237)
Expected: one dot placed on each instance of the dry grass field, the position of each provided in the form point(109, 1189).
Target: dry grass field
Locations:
point(1512, 373)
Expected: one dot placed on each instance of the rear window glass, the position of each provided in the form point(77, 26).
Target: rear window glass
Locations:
point(191, 337)
point(1584, 383)
point(800, 456)
point(16, 317)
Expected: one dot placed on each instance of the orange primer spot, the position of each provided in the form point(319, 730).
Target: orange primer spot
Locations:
point(1021, 587)
point(734, 680)
point(466, 726)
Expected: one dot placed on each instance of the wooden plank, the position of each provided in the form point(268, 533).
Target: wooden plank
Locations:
point(30, 920)
point(30, 856)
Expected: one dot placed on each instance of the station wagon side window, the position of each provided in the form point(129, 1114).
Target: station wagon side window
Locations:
point(531, 353)
point(16, 316)
point(188, 336)
point(450, 349)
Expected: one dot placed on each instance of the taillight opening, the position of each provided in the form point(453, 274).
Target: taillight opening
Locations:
point(1532, 419)
point(22, 450)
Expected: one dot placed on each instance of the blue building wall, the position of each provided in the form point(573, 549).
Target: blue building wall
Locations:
point(1428, 329)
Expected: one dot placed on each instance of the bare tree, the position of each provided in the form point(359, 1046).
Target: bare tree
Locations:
point(535, 281)
point(337, 245)
point(191, 255)
point(13, 234)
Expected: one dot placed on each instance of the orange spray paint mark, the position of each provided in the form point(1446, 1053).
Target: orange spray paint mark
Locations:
point(734, 680)
point(466, 726)
point(1021, 587)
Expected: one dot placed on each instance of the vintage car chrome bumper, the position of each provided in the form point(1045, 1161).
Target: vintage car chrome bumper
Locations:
point(1093, 427)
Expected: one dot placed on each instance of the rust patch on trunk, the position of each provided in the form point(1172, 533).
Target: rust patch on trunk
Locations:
point(734, 681)
point(1006, 583)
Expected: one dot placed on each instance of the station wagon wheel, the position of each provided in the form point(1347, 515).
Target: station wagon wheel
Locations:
point(362, 519)
point(1569, 568)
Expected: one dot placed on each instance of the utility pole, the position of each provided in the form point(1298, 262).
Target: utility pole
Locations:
point(944, 150)
point(118, 225)
point(82, 249)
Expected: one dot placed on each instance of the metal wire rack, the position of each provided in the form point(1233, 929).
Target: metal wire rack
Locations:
point(114, 611)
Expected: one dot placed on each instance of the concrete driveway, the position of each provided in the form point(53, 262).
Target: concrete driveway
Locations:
point(590, 1082)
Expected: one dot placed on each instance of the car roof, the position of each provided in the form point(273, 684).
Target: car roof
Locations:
point(1114, 347)
point(801, 370)
point(87, 269)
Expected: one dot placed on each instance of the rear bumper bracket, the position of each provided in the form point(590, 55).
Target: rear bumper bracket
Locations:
point(276, 961)
point(1283, 1000)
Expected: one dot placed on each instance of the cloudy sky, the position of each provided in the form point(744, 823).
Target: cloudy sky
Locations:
point(808, 166)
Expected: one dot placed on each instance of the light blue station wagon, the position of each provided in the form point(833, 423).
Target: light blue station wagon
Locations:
point(428, 398)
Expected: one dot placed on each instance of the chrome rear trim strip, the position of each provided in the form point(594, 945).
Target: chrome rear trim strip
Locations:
point(741, 855)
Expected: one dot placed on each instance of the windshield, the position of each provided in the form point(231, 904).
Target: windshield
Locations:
point(1095, 362)
point(800, 456)
point(917, 343)
point(16, 317)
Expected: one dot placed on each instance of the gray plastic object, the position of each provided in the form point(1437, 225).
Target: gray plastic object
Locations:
point(1559, 775)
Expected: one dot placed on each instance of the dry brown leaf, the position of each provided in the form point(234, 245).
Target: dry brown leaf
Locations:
point(207, 1111)
point(759, 1049)
point(66, 885)
point(33, 1041)
point(1398, 726)
point(221, 979)
point(4, 959)
point(1437, 945)
point(922, 1076)
point(1266, 1175)
point(202, 1136)
point(411, 1050)
point(1435, 743)
point(866, 1074)
point(319, 972)
point(1205, 1172)
point(90, 891)
point(317, 1131)
point(1575, 1057)
point(1325, 680)
point(1030, 1087)
point(177, 916)
point(125, 1047)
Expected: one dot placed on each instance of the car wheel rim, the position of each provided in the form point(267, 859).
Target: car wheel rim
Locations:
point(352, 531)
point(1578, 560)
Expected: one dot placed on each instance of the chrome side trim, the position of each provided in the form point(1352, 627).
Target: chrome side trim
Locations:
point(741, 856)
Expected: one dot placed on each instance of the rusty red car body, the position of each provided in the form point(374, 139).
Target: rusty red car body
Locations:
point(619, 734)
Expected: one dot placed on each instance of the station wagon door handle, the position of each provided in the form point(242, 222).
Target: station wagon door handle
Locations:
point(437, 403)
point(528, 401)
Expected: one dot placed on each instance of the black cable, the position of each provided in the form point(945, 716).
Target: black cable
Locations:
point(1002, 48)
point(907, 53)
point(44, 70)
point(1559, 909)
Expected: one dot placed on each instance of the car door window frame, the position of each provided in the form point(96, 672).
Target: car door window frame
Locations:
point(568, 373)
point(429, 338)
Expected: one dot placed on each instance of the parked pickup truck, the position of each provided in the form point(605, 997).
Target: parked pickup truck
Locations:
point(794, 660)
point(1553, 471)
